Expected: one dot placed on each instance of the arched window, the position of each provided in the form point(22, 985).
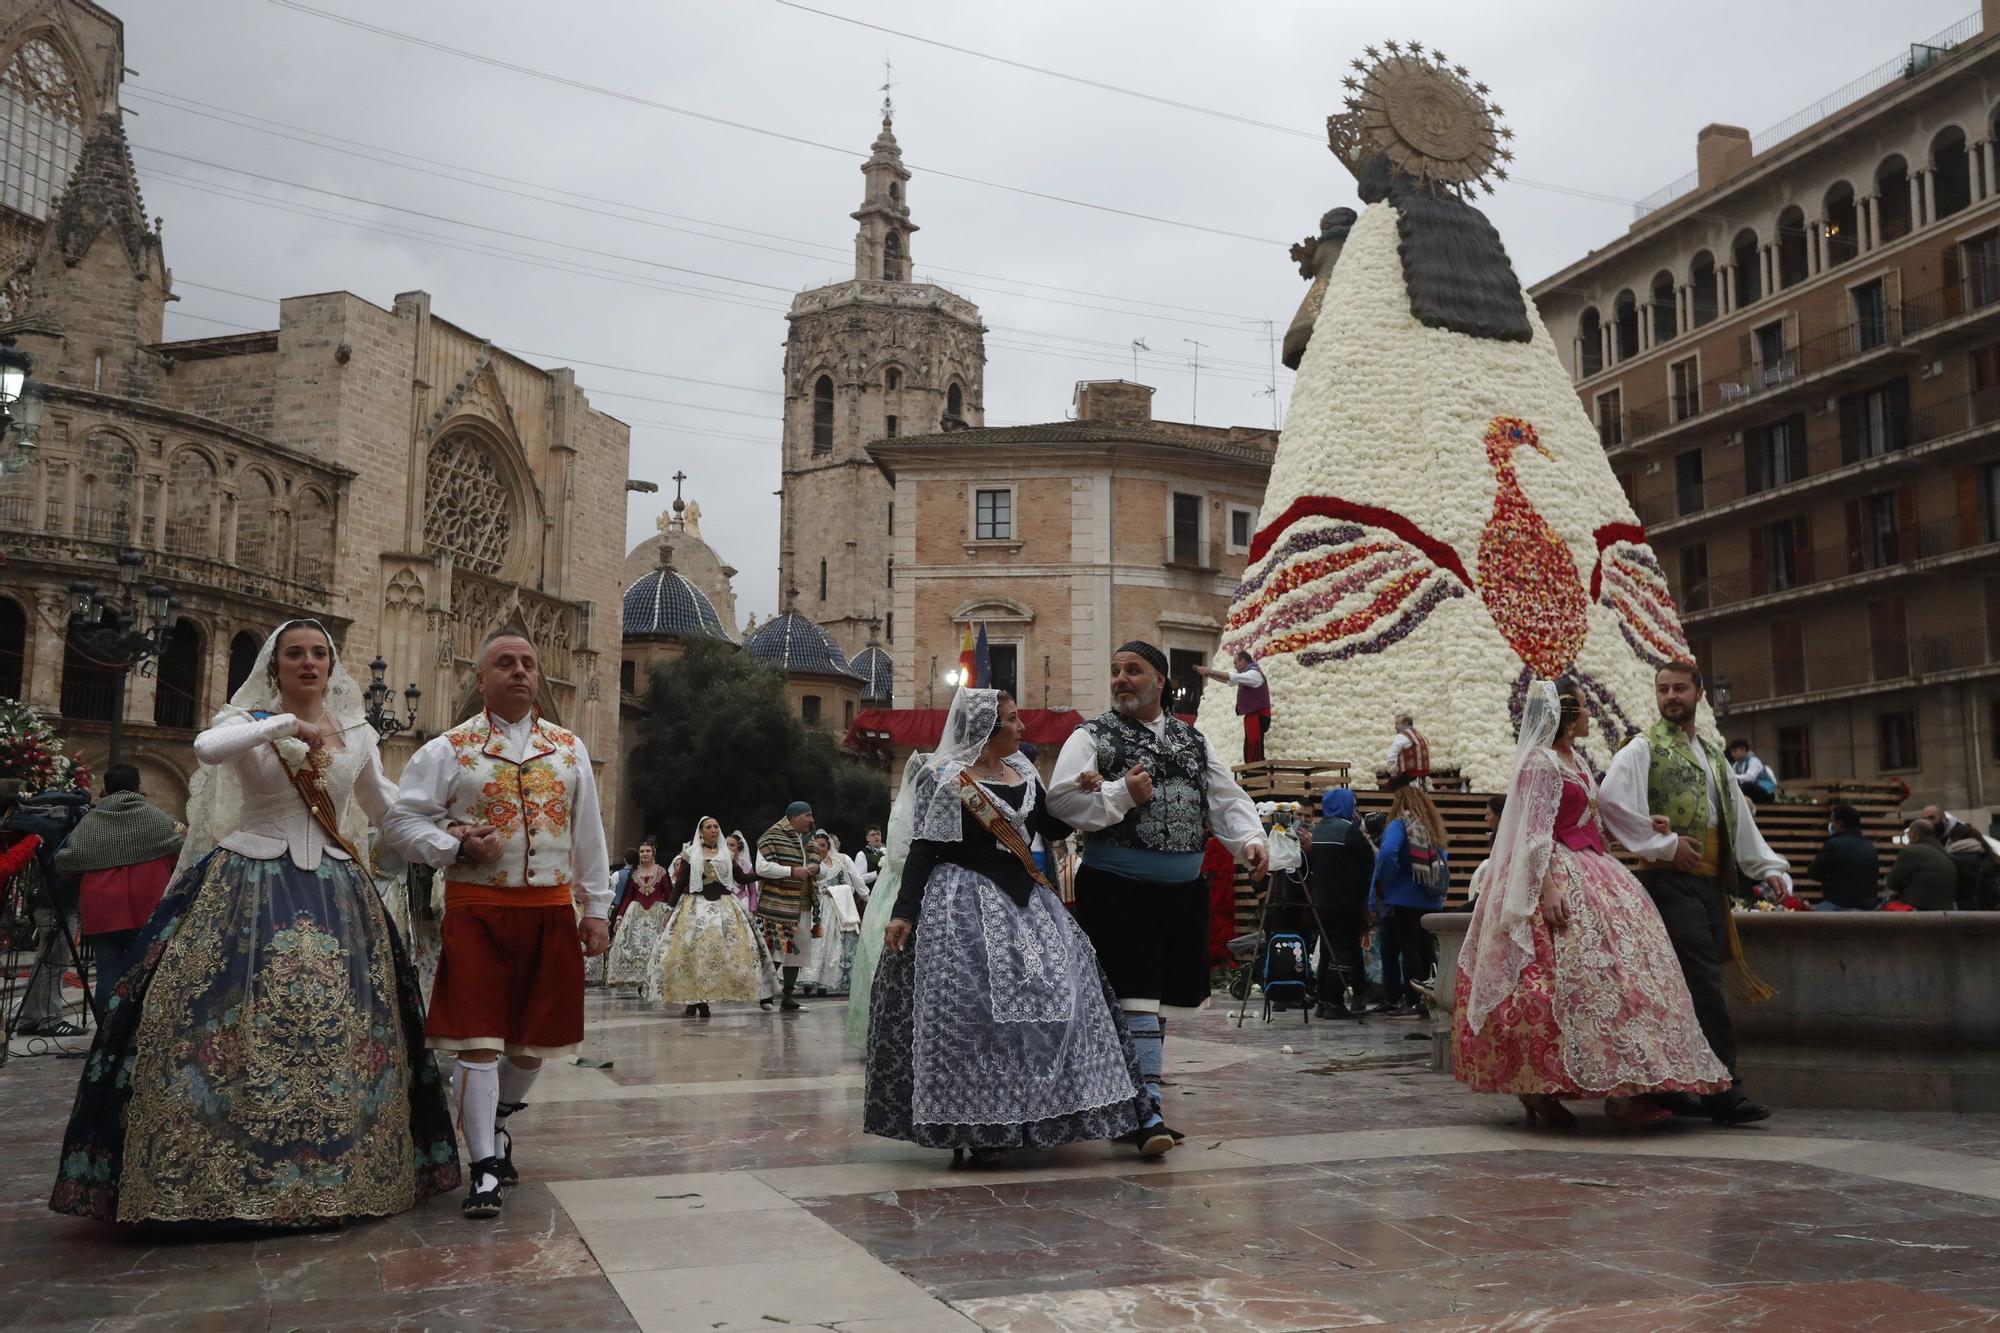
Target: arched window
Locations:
point(109, 466)
point(823, 416)
point(88, 685)
point(13, 647)
point(469, 507)
point(895, 192)
point(892, 257)
point(1702, 303)
point(1840, 228)
point(850, 715)
point(822, 580)
point(177, 694)
point(1892, 202)
point(190, 496)
point(892, 379)
point(1791, 247)
point(1625, 325)
point(809, 709)
point(954, 403)
point(41, 117)
point(242, 657)
point(1749, 276)
point(313, 525)
point(1951, 182)
point(1666, 315)
point(1590, 342)
point(256, 521)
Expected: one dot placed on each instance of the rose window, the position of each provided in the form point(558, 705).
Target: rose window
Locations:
point(470, 511)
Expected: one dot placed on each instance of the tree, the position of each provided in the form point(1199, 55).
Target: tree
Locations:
point(719, 738)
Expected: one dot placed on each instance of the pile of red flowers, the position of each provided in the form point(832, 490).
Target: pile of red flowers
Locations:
point(31, 751)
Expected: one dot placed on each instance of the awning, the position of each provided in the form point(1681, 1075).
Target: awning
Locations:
point(922, 728)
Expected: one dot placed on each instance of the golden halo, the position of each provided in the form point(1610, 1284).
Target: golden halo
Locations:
point(1421, 113)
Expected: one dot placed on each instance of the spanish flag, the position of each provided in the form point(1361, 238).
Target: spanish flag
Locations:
point(967, 663)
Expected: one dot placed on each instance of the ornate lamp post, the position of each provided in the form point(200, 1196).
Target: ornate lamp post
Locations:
point(1718, 695)
point(20, 407)
point(381, 713)
point(125, 635)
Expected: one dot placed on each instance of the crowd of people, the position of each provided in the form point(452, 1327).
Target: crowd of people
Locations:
point(1013, 949)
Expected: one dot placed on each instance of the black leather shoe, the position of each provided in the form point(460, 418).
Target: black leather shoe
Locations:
point(1150, 1140)
point(1680, 1103)
point(483, 1199)
point(792, 1007)
point(1330, 1010)
point(1743, 1111)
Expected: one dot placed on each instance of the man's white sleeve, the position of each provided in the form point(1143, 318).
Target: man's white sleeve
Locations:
point(1085, 811)
point(1754, 856)
point(1627, 811)
point(411, 824)
point(590, 854)
point(1252, 678)
point(1231, 813)
point(1396, 747)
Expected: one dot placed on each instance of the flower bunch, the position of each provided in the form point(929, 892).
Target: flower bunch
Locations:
point(31, 752)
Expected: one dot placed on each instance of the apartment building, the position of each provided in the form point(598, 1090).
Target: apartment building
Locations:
point(1793, 359)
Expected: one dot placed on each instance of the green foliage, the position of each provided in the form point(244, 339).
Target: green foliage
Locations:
point(720, 739)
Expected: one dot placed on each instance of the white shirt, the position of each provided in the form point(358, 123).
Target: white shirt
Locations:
point(415, 824)
point(1396, 747)
point(1749, 770)
point(274, 819)
point(1253, 678)
point(1231, 814)
point(1628, 815)
point(868, 876)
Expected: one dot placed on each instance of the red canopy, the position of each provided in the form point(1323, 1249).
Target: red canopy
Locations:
point(922, 728)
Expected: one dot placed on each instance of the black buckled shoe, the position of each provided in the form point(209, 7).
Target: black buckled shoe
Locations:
point(1742, 1111)
point(483, 1199)
point(1150, 1140)
point(503, 1139)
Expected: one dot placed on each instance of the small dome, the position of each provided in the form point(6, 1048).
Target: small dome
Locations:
point(878, 670)
point(792, 643)
point(665, 602)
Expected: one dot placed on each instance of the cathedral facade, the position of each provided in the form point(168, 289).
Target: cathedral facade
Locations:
point(871, 358)
point(377, 467)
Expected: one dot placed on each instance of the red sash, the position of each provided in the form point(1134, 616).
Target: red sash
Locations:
point(974, 798)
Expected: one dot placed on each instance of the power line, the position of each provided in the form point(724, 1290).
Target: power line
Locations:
point(430, 166)
point(649, 103)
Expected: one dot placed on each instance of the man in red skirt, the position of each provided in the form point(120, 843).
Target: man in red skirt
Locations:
point(506, 806)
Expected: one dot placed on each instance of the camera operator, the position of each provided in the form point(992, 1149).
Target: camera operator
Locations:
point(32, 826)
point(124, 849)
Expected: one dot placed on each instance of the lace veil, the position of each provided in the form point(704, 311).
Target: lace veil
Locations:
point(938, 812)
point(1500, 941)
point(215, 796)
point(693, 854)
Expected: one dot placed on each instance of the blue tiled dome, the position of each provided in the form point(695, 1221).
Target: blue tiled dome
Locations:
point(664, 602)
point(878, 669)
point(791, 643)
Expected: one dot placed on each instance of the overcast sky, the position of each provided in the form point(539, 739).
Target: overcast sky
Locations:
point(1603, 97)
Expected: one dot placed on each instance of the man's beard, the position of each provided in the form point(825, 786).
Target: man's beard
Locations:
point(1138, 701)
point(1676, 711)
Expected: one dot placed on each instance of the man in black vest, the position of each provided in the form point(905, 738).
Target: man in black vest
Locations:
point(1146, 788)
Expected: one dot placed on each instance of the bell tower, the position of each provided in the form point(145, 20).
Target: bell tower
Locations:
point(870, 358)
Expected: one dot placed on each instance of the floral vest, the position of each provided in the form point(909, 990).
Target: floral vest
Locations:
point(1176, 819)
point(1676, 788)
point(528, 803)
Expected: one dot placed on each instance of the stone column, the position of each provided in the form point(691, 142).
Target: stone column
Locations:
point(1816, 246)
point(1920, 199)
point(1767, 264)
point(1725, 289)
point(41, 674)
point(1646, 327)
point(1864, 218)
point(1684, 308)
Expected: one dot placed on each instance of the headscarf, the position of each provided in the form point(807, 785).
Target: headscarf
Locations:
point(939, 815)
point(693, 854)
point(1500, 940)
point(1338, 803)
point(215, 795)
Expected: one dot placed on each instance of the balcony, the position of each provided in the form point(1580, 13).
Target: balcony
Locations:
point(1968, 310)
point(1886, 664)
point(1726, 395)
point(1884, 553)
point(1670, 508)
point(1204, 557)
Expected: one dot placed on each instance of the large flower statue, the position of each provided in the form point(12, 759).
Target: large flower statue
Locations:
point(1441, 524)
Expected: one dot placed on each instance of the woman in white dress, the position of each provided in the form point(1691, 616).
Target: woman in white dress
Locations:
point(263, 1062)
point(840, 898)
point(641, 923)
point(709, 949)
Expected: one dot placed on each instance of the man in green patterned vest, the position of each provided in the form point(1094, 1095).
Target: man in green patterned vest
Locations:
point(1669, 797)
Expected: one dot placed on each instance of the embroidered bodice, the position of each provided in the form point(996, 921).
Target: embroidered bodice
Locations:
point(274, 819)
point(1576, 815)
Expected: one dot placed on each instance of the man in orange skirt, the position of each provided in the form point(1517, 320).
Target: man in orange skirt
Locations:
point(505, 805)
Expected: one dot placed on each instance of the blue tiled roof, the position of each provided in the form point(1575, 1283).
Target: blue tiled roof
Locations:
point(791, 643)
point(879, 670)
point(664, 602)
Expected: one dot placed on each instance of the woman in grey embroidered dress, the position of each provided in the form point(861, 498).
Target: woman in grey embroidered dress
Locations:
point(991, 1026)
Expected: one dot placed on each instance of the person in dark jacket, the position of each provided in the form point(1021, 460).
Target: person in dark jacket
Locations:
point(1339, 865)
point(1848, 871)
point(1978, 872)
point(1923, 875)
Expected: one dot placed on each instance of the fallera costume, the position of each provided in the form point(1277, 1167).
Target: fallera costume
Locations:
point(709, 948)
point(994, 1027)
point(840, 904)
point(1597, 1008)
point(262, 1060)
point(640, 926)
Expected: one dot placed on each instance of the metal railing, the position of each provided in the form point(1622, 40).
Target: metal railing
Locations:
point(1886, 661)
point(1735, 386)
point(1871, 553)
point(1918, 60)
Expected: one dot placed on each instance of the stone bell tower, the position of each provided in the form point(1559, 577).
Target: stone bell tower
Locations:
point(876, 356)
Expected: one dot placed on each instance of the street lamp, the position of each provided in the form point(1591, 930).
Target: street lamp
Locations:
point(1718, 694)
point(20, 406)
point(381, 713)
point(126, 635)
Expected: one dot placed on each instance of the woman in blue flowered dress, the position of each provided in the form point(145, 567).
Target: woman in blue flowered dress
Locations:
point(263, 1062)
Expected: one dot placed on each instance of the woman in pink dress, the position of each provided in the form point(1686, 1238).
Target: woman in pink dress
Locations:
point(1567, 984)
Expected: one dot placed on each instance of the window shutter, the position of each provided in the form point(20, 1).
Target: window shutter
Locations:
point(1908, 545)
point(1795, 446)
point(1857, 551)
point(1760, 573)
point(1992, 616)
point(1898, 408)
point(1954, 296)
point(1969, 526)
point(1746, 356)
point(1850, 428)
point(1802, 548)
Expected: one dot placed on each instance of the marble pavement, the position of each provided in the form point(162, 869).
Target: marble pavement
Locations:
point(715, 1178)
